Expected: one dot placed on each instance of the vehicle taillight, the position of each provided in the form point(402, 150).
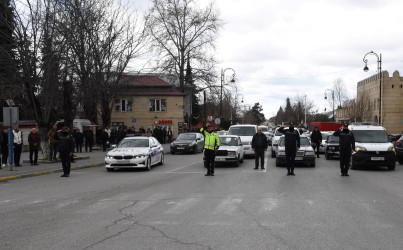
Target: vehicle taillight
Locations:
point(398, 143)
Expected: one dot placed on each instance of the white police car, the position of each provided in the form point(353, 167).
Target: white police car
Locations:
point(135, 152)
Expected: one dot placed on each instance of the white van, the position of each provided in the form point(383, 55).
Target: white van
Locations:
point(372, 147)
point(246, 133)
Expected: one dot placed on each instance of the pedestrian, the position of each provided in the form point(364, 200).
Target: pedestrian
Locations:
point(79, 140)
point(211, 144)
point(89, 139)
point(34, 142)
point(53, 143)
point(109, 131)
point(292, 145)
point(347, 145)
point(259, 146)
point(17, 145)
point(65, 148)
point(169, 133)
point(164, 135)
point(1, 144)
point(4, 148)
point(104, 139)
point(74, 145)
point(316, 139)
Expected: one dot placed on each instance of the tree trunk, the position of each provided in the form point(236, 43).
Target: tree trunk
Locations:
point(43, 134)
point(67, 104)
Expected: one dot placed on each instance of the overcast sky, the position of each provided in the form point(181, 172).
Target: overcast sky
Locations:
point(284, 48)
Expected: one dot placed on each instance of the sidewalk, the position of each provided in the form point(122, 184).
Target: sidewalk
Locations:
point(94, 159)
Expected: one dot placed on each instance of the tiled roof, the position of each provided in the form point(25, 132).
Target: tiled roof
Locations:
point(149, 81)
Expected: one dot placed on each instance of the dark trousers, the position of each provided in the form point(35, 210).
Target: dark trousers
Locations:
point(259, 153)
point(17, 153)
point(345, 157)
point(53, 151)
point(209, 156)
point(169, 138)
point(65, 158)
point(79, 147)
point(104, 146)
point(33, 152)
point(316, 147)
point(4, 156)
point(88, 145)
point(290, 158)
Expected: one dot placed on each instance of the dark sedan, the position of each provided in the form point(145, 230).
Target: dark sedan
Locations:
point(188, 142)
point(332, 147)
point(399, 150)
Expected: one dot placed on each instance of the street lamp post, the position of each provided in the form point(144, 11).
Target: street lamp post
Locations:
point(222, 82)
point(305, 125)
point(332, 91)
point(380, 80)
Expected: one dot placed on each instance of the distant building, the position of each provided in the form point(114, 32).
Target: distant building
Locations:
point(146, 102)
point(392, 100)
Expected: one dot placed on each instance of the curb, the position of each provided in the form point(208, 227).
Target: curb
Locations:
point(49, 172)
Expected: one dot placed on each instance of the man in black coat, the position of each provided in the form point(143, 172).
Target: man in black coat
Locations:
point(292, 145)
point(89, 139)
point(79, 140)
point(347, 145)
point(259, 146)
point(65, 148)
point(316, 139)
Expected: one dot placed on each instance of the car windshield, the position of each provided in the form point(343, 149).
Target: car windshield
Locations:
point(332, 138)
point(370, 136)
point(229, 141)
point(324, 135)
point(134, 143)
point(278, 133)
point(264, 129)
point(187, 137)
point(303, 140)
point(242, 131)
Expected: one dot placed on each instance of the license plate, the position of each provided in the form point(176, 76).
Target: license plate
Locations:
point(181, 148)
point(377, 158)
point(220, 159)
point(299, 158)
point(123, 162)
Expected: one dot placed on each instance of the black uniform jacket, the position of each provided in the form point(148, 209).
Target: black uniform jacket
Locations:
point(66, 143)
point(292, 139)
point(346, 140)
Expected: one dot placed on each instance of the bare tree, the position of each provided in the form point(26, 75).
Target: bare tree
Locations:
point(181, 29)
point(340, 93)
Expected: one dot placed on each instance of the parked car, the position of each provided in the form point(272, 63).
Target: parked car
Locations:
point(399, 150)
point(231, 150)
point(372, 147)
point(222, 132)
point(188, 142)
point(305, 154)
point(276, 138)
point(135, 152)
point(332, 147)
point(245, 132)
point(394, 137)
point(322, 147)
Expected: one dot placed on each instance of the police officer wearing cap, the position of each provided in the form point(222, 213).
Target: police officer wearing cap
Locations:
point(347, 145)
point(65, 148)
point(292, 145)
point(211, 144)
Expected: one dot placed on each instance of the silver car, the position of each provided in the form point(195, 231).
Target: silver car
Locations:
point(305, 154)
point(231, 150)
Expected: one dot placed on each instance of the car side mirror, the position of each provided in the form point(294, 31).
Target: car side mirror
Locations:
point(113, 145)
point(198, 139)
point(154, 146)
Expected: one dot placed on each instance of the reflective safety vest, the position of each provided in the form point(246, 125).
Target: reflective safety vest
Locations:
point(210, 139)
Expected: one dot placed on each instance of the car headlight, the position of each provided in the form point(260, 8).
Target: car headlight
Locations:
point(309, 153)
point(109, 157)
point(392, 148)
point(281, 153)
point(231, 153)
point(360, 148)
point(139, 156)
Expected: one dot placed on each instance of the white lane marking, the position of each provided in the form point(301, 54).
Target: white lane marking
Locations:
point(159, 222)
point(185, 166)
point(268, 204)
point(64, 204)
point(215, 223)
point(182, 205)
point(144, 204)
point(266, 161)
point(5, 201)
point(228, 206)
point(310, 202)
point(35, 202)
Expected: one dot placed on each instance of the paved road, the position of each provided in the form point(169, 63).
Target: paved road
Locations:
point(175, 206)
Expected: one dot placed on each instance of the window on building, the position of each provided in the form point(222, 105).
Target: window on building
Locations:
point(158, 105)
point(393, 86)
point(123, 105)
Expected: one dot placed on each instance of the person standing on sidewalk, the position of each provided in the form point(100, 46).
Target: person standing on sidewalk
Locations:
point(316, 138)
point(259, 146)
point(79, 140)
point(292, 145)
point(89, 139)
point(211, 144)
point(34, 142)
point(4, 148)
point(169, 133)
point(1, 144)
point(53, 143)
point(17, 145)
point(65, 148)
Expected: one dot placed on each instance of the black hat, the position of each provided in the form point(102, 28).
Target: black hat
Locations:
point(345, 124)
point(292, 124)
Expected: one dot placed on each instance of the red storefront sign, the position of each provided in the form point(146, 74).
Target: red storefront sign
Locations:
point(165, 122)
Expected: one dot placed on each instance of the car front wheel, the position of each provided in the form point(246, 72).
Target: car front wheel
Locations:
point(148, 164)
point(162, 159)
point(273, 154)
point(110, 169)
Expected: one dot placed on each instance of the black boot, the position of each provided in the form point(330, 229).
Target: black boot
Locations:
point(288, 172)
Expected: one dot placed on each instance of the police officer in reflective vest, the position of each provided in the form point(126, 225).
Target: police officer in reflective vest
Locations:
point(292, 145)
point(347, 145)
point(211, 144)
